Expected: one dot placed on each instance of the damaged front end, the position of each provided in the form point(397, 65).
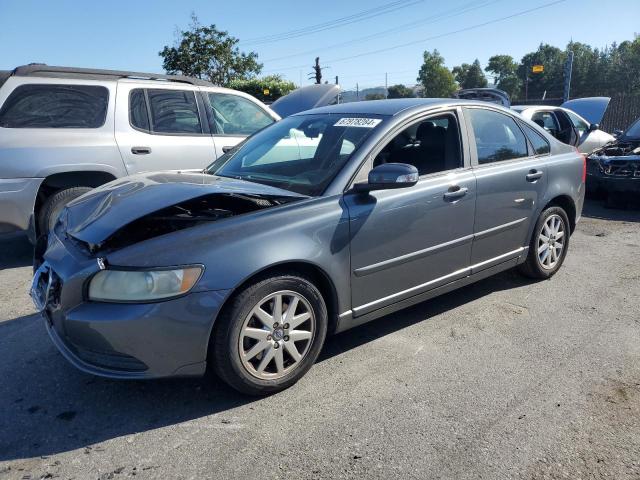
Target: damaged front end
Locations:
point(615, 167)
point(183, 215)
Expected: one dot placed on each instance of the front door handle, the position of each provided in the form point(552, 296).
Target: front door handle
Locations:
point(533, 175)
point(455, 192)
point(140, 150)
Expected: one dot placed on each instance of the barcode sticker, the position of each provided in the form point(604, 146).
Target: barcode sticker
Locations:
point(357, 122)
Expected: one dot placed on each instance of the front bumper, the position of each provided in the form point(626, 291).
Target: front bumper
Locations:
point(126, 341)
point(17, 200)
point(601, 182)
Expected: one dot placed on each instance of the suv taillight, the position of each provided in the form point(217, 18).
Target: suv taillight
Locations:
point(584, 165)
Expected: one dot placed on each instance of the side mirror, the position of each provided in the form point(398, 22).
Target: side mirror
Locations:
point(388, 176)
point(594, 126)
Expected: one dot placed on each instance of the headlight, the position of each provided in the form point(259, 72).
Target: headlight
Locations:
point(142, 286)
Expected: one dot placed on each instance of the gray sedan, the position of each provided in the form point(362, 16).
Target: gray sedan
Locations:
point(316, 224)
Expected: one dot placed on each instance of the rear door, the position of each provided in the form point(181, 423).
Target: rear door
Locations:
point(162, 128)
point(233, 117)
point(511, 180)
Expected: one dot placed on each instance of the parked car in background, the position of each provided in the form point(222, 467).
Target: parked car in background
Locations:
point(247, 266)
point(568, 126)
point(615, 168)
point(65, 130)
point(487, 94)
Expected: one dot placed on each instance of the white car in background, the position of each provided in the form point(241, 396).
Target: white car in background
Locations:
point(565, 124)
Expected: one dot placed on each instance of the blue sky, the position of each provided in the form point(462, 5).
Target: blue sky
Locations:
point(129, 34)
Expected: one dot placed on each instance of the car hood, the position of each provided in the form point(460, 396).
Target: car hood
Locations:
point(306, 98)
point(591, 108)
point(97, 215)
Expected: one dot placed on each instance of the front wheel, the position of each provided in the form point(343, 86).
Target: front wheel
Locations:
point(549, 244)
point(269, 335)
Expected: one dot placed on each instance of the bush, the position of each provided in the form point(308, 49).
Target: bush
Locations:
point(274, 85)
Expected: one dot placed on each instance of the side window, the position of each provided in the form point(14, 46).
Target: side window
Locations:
point(55, 106)
point(546, 120)
point(540, 144)
point(235, 115)
point(174, 111)
point(431, 145)
point(138, 113)
point(498, 137)
point(581, 126)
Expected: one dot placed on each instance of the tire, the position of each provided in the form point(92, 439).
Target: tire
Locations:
point(53, 205)
point(236, 354)
point(535, 266)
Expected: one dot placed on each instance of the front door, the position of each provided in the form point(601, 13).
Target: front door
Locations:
point(407, 241)
point(511, 180)
point(161, 128)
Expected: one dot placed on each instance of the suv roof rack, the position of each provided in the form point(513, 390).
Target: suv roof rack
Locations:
point(43, 70)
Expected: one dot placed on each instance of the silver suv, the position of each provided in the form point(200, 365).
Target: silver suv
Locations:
point(66, 130)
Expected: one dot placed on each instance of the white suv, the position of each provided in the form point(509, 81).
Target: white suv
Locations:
point(66, 130)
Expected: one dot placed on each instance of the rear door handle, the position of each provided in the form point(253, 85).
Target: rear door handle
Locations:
point(455, 192)
point(534, 175)
point(140, 150)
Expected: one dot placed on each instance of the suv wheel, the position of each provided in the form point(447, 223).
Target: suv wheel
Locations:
point(549, 244)
point(53, 205)
point(270, 334)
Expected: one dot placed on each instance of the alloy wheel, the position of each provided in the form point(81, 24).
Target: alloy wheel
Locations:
point(551, 241)
point(276, 335)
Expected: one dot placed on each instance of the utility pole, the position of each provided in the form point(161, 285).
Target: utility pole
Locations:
point(317, 72)
point(357, 92)
point(386, 90)
point(336, 79)
point(526, 81)
point(568, 69)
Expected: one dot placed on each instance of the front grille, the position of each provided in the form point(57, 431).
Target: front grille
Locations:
point(110, 360)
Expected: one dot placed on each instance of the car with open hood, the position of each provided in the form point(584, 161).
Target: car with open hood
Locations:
point(614, 169)
point(316, 224)
point(576, 122)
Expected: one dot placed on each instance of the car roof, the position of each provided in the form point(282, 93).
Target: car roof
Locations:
point(391, 107)
point(43, 70)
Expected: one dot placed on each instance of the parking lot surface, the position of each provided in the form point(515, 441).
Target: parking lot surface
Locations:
point(506, 378)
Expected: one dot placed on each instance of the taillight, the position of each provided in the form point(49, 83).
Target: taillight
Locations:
point(584, 165)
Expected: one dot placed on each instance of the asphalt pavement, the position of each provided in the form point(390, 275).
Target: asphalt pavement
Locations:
point(506, 378)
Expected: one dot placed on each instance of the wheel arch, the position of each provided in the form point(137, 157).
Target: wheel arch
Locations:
point(313, 272)
point(568, 205)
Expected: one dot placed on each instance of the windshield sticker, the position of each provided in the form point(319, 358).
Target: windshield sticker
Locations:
point(357, 122)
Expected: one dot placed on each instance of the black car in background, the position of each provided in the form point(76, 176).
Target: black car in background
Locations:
point(614, 169)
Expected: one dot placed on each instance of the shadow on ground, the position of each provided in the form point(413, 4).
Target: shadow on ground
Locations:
point(15, 251)
point(48, 407)
point(628, 211)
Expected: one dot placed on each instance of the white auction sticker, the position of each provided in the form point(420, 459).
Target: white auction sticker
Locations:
point(358, 122)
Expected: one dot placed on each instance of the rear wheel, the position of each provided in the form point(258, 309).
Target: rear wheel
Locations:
point(549, 244)
point(53, 205)
point(269, 335)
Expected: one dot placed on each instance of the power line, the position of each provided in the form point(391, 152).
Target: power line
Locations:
point(454, 12)
point(472, 27)
point(339, 22)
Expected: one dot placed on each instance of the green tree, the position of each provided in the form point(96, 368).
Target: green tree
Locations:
point(437, 80)
point(374, 96)
point(505, 72)
point(470, 76)
point(274, 85)
point(550, 81)
point(211, 54)
point(400, 91)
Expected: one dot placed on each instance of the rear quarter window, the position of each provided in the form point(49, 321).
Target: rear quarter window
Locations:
point(540, 144)
point(55, 106)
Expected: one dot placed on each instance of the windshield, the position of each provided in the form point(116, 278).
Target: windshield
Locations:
point(633, 131)
point(300, 153)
